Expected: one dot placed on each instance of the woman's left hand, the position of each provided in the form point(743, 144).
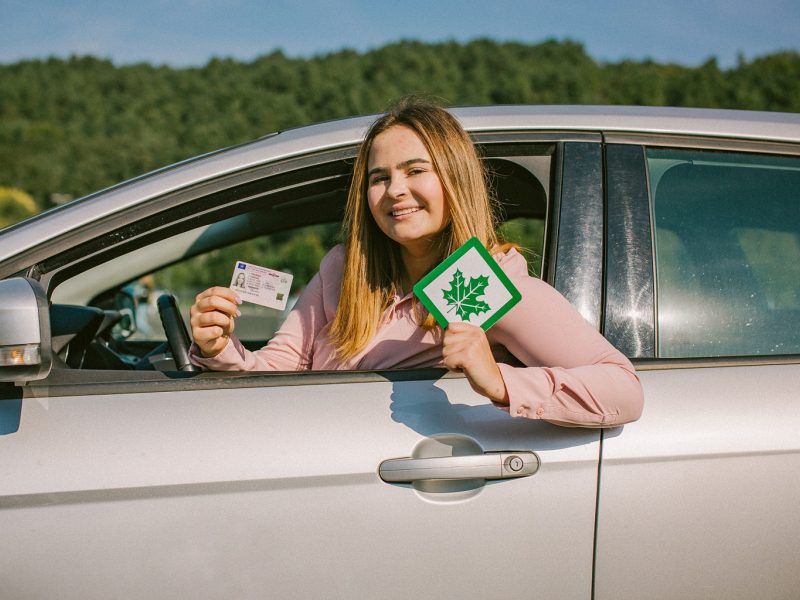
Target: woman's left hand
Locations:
point(466, 348)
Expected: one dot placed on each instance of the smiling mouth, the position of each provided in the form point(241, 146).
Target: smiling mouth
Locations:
point(405, 211)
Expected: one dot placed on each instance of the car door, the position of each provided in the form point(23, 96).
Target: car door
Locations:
point(699, 497)
point(146, 484)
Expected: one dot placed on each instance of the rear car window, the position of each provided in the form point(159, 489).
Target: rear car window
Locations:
point(727, 243)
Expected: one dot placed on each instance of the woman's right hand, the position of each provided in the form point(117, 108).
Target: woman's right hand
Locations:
point(212, 319)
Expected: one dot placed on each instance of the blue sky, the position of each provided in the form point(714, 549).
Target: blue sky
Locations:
point(189, 32)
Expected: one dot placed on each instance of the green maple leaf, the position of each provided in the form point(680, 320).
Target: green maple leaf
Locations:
point(463, 296)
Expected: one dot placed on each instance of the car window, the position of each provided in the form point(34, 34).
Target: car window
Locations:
point(290, 229)
point(727, 244)
point(527, 234)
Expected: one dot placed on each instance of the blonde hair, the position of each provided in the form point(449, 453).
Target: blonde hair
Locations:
point(373, 268)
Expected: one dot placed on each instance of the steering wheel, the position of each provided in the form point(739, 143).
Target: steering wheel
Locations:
point(177, 334)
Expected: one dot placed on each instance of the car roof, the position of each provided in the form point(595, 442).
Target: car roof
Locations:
point(747, 125)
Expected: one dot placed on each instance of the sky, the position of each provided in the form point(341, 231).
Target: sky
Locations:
point(183, 33)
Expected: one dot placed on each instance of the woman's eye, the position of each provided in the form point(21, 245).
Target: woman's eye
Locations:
point(377, 179)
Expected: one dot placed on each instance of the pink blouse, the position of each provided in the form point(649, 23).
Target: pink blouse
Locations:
point(556, 367)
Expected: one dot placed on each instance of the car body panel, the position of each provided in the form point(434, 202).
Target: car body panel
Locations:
point(274, 490)
point(699, 497)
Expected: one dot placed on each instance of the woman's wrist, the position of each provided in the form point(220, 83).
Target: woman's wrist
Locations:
point(499, 393)
point(215, 349)
point(492, 386)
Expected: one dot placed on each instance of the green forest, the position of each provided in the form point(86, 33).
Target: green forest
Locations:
point(71, 127)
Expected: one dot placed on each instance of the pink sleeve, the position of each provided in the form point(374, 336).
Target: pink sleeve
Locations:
point(575, 376)
point(291, 348)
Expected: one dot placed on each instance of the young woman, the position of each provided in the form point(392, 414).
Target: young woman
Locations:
point(418, 193)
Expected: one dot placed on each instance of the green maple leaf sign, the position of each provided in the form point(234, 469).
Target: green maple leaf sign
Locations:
point(463, 296)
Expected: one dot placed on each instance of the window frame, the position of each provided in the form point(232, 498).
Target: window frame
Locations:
point(615, 282)
point(182, 210)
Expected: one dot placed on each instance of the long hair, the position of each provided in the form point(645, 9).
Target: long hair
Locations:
point(373, 269)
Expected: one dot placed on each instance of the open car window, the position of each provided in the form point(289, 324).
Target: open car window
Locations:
point(111, 322)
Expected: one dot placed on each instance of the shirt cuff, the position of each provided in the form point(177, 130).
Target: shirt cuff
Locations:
point(529, 391)
point(231, 358)
point(537, 393)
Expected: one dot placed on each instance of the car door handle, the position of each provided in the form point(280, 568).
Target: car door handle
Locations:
point(491, 465)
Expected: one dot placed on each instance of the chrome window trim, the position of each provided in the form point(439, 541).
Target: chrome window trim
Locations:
point(81, 382)
point(533, 137)
point(551, 218)
point(659, 364)
point(653, 252)
point(704, 143)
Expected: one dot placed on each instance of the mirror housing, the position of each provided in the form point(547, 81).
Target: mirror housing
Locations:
point(25, 349)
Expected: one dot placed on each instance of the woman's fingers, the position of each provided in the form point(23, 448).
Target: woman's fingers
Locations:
point(222, 292)
point(465, 347)
point(464, 340)
point(209, 319)
point(203, 335)
point(217, 298)
point(212, 319)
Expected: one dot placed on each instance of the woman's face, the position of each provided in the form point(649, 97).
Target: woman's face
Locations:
point(404, 192)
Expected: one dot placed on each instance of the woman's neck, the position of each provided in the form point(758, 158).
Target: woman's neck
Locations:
point(417, 264)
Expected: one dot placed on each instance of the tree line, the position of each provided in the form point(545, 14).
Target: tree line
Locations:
point(71, 126)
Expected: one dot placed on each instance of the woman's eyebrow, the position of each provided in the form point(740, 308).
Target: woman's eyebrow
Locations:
point(412, 161)
point(400, 165)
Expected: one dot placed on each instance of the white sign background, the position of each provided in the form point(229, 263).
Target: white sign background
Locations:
point(471, 265)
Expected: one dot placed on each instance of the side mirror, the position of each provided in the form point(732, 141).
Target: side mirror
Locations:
point(25, 352)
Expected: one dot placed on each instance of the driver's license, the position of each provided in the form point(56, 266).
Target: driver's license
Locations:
point(260, 285)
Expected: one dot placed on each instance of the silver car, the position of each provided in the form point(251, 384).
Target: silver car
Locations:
point(124, 474)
